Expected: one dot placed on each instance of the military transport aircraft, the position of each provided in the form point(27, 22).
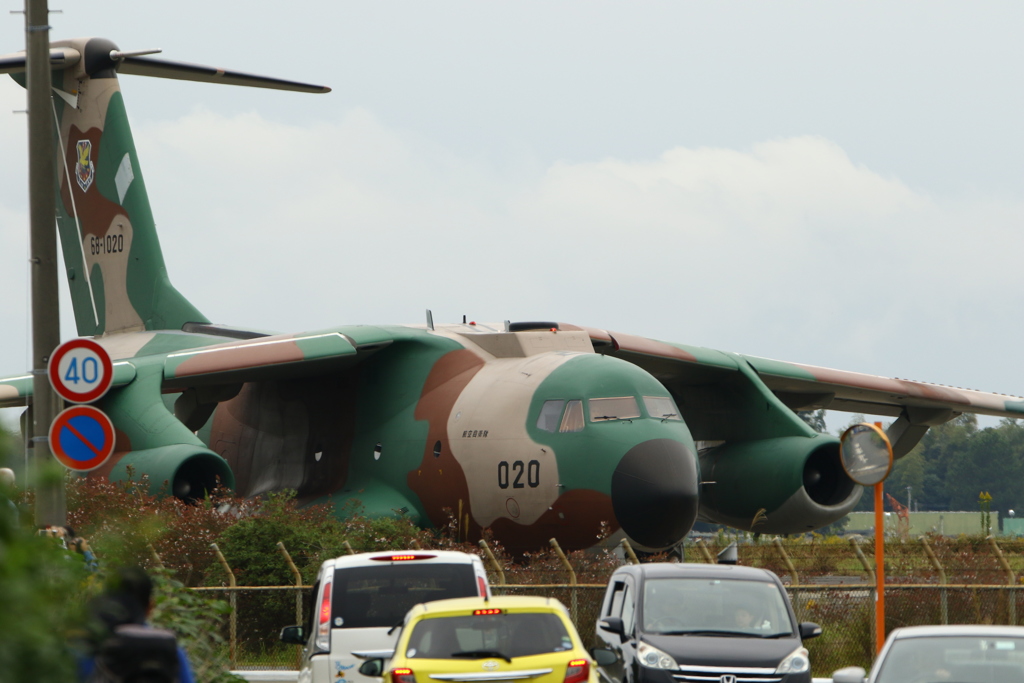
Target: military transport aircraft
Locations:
point(531, 429)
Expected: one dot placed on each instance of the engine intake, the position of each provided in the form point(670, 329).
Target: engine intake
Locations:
point(786, 485)
point(187, 472)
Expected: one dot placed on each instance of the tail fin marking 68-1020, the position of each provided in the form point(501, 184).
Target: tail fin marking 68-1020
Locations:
point(115, 267)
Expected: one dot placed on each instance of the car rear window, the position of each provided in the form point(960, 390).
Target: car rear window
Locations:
point(368, 597)
point(485, 636)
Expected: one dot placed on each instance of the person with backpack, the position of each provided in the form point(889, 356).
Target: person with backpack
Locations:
point(128, 649)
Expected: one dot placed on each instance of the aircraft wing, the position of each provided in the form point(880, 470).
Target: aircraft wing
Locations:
point(16, 391)
point(246, 360)
point(272, 357)
point(807, 387)
point(709, 386)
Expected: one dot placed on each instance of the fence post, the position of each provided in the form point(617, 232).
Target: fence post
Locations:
point(1011, 580)
point(704, 551)
point(777, 542)
point(233, 637)
point(874, 581)
point(298, 597)
point(156, 556)
point(794, 577)
point(863, 560)
point(348, 547)
point(572, 577)
point(493, 561)
point(630, 555)
point(943, 599)
point(415, 544)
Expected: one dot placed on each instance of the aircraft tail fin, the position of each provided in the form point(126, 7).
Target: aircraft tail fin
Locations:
point(115, 266)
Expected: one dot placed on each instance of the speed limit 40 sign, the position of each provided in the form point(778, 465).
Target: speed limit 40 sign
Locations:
point(80, 371)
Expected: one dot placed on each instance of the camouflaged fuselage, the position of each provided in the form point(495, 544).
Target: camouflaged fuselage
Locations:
point(442, 426)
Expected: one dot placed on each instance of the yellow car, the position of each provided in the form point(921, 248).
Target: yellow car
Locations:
point(505, 638)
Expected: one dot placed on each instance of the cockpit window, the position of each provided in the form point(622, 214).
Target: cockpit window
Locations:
point(549, 414)
point(619, 408)
point(572, 421)
point(661, 407)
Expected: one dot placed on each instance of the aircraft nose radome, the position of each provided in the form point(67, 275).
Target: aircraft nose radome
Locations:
point(654, 492)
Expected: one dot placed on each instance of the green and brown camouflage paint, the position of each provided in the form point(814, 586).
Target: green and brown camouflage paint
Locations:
point(437, 423)
point(116, 270)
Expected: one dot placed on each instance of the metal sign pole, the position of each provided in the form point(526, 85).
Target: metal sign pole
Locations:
point(879, 569)
point(51, 506)
point(866, 454)
point(879, 565)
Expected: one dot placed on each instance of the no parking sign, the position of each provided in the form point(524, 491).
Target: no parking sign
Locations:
point(82, 438)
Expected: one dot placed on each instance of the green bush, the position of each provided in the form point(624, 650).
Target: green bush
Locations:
point(41, 585)
point(197, 621)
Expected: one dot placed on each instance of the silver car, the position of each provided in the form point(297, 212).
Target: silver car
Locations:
point(945, 654)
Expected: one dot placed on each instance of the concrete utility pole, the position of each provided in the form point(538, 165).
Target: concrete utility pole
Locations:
point(51, 506)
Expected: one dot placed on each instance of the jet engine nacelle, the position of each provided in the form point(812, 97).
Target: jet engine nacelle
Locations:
point(784, 485)
point(189, 471)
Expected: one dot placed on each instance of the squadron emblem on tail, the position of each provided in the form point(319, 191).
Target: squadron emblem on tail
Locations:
point(85, 170)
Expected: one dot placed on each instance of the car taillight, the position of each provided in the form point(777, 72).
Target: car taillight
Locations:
point(403, 557)
point(481, 585)
point(482, 612)
point(402, 676)
point(323, 627)
point(577, 671)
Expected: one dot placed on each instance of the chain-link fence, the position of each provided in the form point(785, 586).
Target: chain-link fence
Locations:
point(846, 614)
point(257, 616)
point(830, 583)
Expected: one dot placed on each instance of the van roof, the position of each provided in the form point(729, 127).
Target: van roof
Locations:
point(660, 570)
point(386, 557)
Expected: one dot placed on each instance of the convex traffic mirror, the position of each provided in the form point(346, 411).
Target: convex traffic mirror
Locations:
point(866, 454)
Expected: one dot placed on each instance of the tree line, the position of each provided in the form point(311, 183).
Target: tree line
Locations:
point(957, 461)
point(953, 465)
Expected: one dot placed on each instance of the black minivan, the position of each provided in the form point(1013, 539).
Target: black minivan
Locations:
point(675, 623)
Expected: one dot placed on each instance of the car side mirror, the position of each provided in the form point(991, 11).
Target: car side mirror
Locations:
point(612, 625)
point(372, 668)
point(293, 634)
point(851, 674)
point(604, 657)
point(809, 629)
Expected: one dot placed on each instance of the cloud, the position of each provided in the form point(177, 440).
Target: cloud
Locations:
point(787, 249)
point(778, 188)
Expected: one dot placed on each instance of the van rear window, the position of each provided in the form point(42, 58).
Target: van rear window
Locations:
point(368, 597)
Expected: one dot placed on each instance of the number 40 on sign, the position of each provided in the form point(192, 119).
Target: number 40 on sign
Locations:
point(80, 371)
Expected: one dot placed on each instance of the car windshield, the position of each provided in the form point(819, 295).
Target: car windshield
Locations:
point(715, 607)
point(959, 659)
point(488, 636)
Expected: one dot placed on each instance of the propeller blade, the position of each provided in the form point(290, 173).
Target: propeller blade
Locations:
point(60, 58)
point(160, 68)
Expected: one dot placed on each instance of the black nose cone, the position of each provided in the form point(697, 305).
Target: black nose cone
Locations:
point(654, 492)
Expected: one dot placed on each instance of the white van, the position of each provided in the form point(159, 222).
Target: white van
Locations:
point(358, 600)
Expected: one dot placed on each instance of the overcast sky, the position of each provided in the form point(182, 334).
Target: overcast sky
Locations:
point(832, 183)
